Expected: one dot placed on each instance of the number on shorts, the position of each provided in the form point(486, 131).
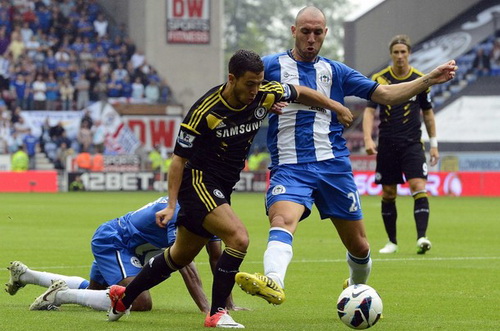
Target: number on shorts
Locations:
point(354, 196)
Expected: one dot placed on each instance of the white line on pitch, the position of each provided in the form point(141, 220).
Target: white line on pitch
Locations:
point(458, 258)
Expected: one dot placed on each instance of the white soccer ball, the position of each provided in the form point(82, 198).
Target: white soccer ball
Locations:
point(359, 306)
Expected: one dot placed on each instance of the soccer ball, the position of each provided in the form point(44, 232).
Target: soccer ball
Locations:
point(359, 306)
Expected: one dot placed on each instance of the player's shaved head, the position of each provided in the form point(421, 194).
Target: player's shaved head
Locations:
point(309, 11)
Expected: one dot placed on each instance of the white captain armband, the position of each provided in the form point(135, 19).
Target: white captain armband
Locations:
point(289, 92)
point(433, 142)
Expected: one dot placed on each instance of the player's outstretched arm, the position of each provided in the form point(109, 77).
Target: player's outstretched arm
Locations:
point(397, 93)
point(310, 97)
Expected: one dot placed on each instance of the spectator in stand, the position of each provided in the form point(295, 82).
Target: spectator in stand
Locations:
point(126, 88)
point(87, 116)
point(116, 48)
point(66, 7)
point(50, 61)
point(4, 72)
point(114, 87)
point(86, 54)
point(84, 27)
point(28, 95)
point(58, 20)
point(481, 64)
point(152, 92)
point(98, 136)
point(120, 72)
point(16, 46)
point(495, 54)
point(77, 46)
point(56, 131)
point(101, 26)
point(44, 136)
point(39, 93)
point(101, 89)
point(26, 32)
point(52, 93)
point(137, 90)
point(4, 39)
point(44, 16)
point(5, 128)
point(82, 87)
point(21, 128)
point(16, 115)
point(31, 145)
point(92, 75)
point(138, 59)
point(84, 137)
point(63, 138)
point(66, 90)
point(18, 89)
point(165, 92)
point(32, 47)
point(63, 152)
point(20, 160)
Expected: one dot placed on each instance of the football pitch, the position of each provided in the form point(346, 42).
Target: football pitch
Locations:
point(455, 286)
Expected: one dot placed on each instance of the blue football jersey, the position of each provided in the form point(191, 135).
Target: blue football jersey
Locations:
point(306, 134)
point(139, 227)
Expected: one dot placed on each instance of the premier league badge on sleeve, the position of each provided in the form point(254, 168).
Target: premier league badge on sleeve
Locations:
point(185, 139)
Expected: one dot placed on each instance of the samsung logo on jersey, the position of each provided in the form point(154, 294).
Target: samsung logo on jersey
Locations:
point(240, 129)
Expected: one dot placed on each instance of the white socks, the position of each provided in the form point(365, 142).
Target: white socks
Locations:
point(278, 255)
point(95, 299)
point(359, 268)
point(45, 279)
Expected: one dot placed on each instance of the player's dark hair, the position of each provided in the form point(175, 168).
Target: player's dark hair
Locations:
point(243, 61)
point(400, 39)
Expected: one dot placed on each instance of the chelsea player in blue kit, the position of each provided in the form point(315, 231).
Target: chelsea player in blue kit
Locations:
point(120, 247)
point(309, 158)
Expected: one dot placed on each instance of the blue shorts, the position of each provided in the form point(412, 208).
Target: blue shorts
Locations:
point(328, 184)
point(114, 260)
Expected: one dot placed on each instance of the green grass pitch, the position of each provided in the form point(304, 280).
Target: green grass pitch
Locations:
point(455, 286)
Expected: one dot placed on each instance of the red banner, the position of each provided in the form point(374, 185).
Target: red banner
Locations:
point(28, 181)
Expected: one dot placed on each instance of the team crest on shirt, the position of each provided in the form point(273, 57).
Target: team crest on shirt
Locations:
point(278, 189)
point(260, 112)
point(135, 262)
point(219, 194)
point(325, 78)
point(185, 139)
point(378, 176)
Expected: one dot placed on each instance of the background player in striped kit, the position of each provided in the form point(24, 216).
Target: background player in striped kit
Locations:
point(310, 160)
point(400, 149)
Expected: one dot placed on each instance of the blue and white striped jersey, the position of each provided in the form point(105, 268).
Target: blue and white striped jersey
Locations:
point(306, 134)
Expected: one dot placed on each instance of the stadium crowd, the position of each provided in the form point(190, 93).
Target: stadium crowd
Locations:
point(65, 55)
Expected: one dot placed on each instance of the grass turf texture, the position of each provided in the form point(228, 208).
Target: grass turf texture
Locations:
point(454, 286)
